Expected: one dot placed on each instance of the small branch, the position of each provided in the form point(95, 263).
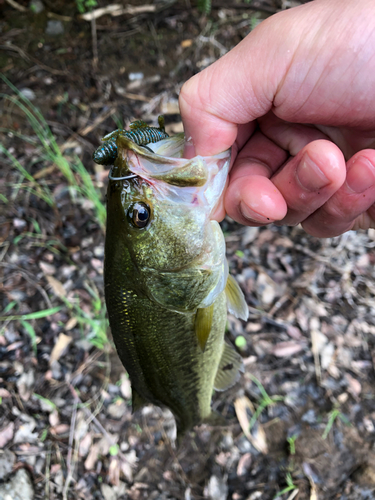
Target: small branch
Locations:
point(16, 5)
point(94, 44)
point(117, 10)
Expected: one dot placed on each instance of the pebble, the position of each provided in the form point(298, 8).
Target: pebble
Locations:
point(19, 487)
point(28, 94)
point(54, 28)
point(135, 76)
point(19, 223)
point(7, 459)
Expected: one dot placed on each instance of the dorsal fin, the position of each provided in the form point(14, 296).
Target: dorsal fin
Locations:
point(235, 299)
point(230, 368)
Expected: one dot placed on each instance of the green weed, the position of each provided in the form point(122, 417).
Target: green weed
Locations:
point(265, 401)
point(85, 5)
point(78, 178)
point(292, 444)
point(204, 6)
point(45, 400)
point(289, 487)
point(335, 413)
point(97, 319)
point(30, 316)
point(30, 330)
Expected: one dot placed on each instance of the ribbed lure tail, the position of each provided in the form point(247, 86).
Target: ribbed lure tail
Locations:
point(140, 133)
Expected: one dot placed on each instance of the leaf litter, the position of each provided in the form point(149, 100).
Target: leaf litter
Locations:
point(66, 426)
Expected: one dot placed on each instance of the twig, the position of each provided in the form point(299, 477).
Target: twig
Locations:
point(25, 274)
point(28, 57)
point(319, 258)
point(95, 421)
point(94, 44)
point(98, 120)
point(117, 10)
point(16, 5)
point(259, 8)
point(70, 468)
point(48, 473)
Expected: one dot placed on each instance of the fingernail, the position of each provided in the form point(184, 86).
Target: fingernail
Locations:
point(189, 149)
point(361, 176)
point(252, 216)
point(309, 174)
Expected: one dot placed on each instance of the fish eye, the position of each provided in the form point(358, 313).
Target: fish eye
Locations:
point(139, 214)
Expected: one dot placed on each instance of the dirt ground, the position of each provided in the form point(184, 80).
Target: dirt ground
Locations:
point(302, 416)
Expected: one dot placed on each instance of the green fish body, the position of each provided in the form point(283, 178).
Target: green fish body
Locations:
point(166, 278)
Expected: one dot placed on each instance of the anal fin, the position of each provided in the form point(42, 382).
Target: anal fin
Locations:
point(230, 369)
point(203, 324)
point(235, 299)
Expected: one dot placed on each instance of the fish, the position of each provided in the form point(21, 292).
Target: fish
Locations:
point(167, 286)
point(139, 132)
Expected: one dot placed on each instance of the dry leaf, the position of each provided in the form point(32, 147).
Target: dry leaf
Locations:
point(244, 409)
point(53, 418)
point(108, 492)
point(6, 434)
point(56, 286)
point(58, 349)
point(85, 445)
point(4, 393)
point(244, 464)
point(71, 324)
point(186, 43)
point(114, 471)
point(354, 386)
point(48, 269)
point(59, 429)
point(288, 348)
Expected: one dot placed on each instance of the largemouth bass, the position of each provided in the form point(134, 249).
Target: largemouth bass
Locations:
point(167, 286)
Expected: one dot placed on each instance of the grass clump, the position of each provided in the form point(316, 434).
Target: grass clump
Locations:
point(264, 402)
point(79, 180)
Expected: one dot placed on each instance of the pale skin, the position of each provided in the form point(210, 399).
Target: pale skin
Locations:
point(296, 102)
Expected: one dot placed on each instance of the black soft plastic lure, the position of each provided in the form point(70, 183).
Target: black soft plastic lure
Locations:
point(140, 133)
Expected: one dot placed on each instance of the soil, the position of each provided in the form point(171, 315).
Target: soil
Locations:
point(65, 400)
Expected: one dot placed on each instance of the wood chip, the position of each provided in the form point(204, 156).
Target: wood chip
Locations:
point(186, 43)
point(59, 348)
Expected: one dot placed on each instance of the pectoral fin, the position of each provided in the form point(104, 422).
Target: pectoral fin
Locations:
point(235, 299)
point(137, 401)
point(230, 368)
point(202, 325)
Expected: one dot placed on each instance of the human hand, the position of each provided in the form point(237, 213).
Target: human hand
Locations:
point(295, 101)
